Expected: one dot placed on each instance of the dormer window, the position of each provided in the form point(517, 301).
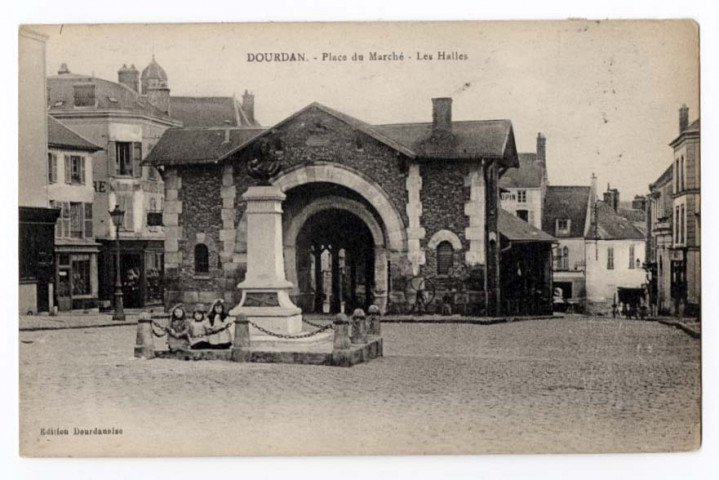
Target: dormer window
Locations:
point(562, 227)
point(84, 95)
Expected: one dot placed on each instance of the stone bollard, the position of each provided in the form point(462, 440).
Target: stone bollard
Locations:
point(342, 333)
point(375, 320)
point(241, 346)
point(145, 343)
point(359, 327)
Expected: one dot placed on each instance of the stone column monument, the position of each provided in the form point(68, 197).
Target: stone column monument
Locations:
point(265, 291)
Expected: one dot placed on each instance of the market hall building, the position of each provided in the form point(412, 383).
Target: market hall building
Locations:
point(385, 214)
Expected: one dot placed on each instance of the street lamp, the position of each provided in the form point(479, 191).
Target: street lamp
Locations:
point(117, 216)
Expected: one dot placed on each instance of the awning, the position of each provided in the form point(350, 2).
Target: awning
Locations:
point(517, 230)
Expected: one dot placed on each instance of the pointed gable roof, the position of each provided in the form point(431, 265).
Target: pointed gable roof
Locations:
point(472, 140)
point(61, 136)
point(566, 203)
point(351, 121)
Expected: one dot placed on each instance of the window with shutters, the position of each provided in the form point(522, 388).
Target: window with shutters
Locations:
point(610, 258)
point(202, 259)
point(77, 170)
point(123, 158)
point(65, 220)
point(137, 159)
point(445, 258)
point(631, 257)
point(88, 220)
point(52, 168)
point(76, 219)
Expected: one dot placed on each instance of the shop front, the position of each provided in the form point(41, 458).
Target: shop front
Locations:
point(76, 276)
point(141, 272)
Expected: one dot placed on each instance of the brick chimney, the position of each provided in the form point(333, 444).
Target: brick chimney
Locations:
point(248, 106)
point(611, 197)
point(683, 118)
point(593, 188)
point(541, 149)
point(129, 77)
point(442, 115)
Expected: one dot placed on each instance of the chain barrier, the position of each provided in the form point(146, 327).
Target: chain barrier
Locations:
point(290, 337)
point(167, 329)
point(316, 325)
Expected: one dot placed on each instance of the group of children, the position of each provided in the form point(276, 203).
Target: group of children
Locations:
point(204, 331)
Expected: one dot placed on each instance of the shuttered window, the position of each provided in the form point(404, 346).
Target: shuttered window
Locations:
point(445, 258)
point(202, 258)
point(52, 168)
point(88, 220)
point(631, 257)
point(137, 159)
point(123, 158)
point(68, 169)
point(610, 258)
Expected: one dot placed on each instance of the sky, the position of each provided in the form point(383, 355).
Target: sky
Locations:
point(605, 94)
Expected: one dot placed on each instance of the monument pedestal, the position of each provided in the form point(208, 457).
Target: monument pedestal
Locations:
point(265, 291)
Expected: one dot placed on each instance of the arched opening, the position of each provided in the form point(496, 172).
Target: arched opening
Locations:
point(335, 261)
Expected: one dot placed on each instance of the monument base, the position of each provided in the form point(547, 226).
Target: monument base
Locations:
point(270, 309)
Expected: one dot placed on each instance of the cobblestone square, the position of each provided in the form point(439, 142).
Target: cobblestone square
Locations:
point(562, 385)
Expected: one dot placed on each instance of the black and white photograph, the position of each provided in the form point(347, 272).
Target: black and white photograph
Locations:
point(359, 238)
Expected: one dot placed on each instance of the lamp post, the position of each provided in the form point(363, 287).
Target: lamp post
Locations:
point(117, 216)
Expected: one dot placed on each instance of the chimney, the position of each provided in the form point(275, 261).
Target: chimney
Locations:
point(611, 197)
point(129, 77)
point(248, 106)
point(639, 202)
point(541, 149)
point(63, 69)
point(593, 189)
point(442, 115)
point(683, 118)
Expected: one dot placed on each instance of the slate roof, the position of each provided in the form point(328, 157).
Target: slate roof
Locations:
point(108, 95)
point(61, 136)
point(477, 139)
point(566, 202)
point(613, 226)
point(179, 146)
point(529, 174)
point(664, 178)
point(694, 127)
point(472, 139)
point(517, 230)
point(209, 112)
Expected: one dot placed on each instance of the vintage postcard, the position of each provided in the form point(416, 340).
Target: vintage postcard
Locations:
point(359, 238)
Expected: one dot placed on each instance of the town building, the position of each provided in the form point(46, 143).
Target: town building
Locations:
point(523, 188)
point(126, 118)
point(660, 241)
point(686, 249)
point(567, 218)
point(126, 124)
point(401, 214)
point(614, 256)
point(70, 189)
point(36, 217)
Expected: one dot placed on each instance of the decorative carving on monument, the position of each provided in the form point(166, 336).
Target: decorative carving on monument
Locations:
point(266, 163)
point(261, 299)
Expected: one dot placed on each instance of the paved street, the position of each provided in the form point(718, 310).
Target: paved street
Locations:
point(561, 385)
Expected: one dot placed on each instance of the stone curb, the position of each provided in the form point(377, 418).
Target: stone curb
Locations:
point(465, 320)
point(77, 327)
point(691, 332)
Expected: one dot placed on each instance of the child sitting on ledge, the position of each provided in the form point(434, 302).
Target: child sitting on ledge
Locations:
point(177, 332)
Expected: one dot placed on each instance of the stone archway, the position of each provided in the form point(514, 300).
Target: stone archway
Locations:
point(354, 180)
point(334, 202)
point(390, 226)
